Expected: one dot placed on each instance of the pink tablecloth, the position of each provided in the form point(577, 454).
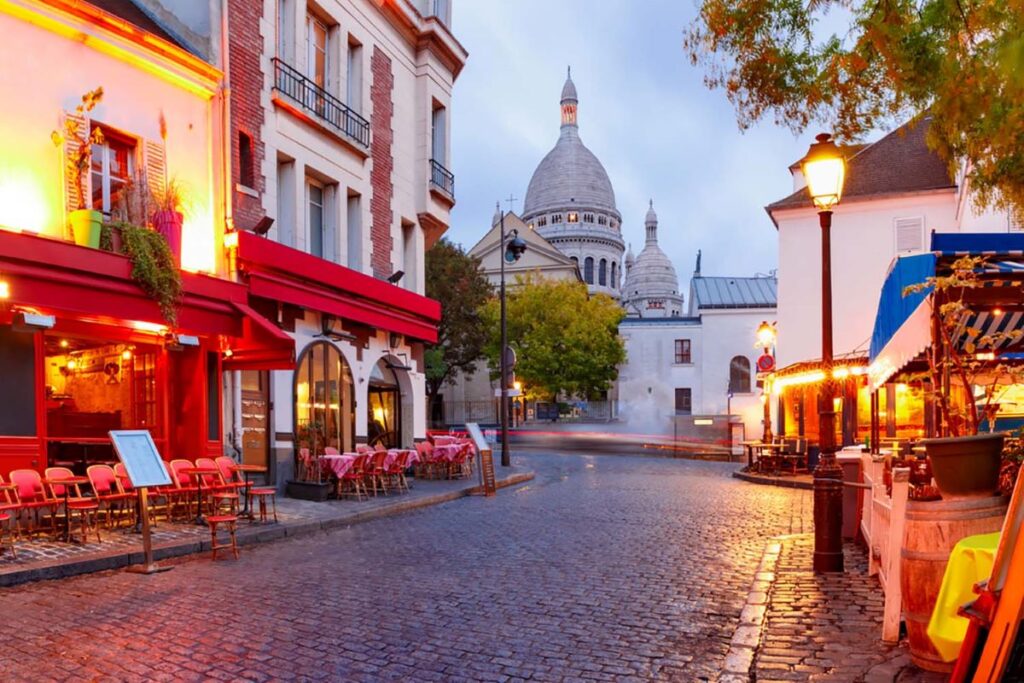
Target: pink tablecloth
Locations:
point(447, 453)
point(444, 440)
point(337, 464)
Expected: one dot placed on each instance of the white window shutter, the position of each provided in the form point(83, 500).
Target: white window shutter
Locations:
point(156, 168)
point(909, 234)
point(71, 147)
point(1015, 219)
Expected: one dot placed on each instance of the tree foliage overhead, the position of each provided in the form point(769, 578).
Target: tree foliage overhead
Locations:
point(960, 60)
point(565, 340)
point(453, 277)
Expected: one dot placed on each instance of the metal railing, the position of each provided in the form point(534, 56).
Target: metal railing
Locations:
point(312, 98)
point(442, 178)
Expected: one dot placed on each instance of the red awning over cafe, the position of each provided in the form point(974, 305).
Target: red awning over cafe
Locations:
point(280, 273)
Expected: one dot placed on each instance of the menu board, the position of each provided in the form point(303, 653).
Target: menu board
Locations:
point(143, 463)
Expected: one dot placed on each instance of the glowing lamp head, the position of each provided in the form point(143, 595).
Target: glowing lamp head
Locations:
point(72, 364)
point(126, 354)
point(824, 170)
point(228, 353)
point(63, 343)
point(517, 385)
point(766, 335)
point(231, 240)
point(5, 289)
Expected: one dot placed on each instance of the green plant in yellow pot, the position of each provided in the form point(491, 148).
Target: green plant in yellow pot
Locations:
point(84, 222)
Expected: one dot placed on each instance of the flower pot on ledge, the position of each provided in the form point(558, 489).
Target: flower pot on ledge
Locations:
point(168, 224)
point(308, 490)
point(85, 227)
point(966, 467)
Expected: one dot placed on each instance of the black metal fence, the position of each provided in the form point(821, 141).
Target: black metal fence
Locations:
point(442, 178)
point(312, 98)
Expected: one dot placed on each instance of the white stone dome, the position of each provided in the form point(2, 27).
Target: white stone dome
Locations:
point(651, 288)
point(569, 176)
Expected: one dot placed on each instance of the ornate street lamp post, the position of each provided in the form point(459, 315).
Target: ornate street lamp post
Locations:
point(511, 250)
point(824, 170)
point(766, 340)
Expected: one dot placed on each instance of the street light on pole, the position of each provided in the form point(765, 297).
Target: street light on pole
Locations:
point(765, 364)
point(824, 169)
point(511, 251)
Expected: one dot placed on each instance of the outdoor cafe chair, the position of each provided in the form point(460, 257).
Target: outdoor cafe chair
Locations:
point(396, 473)
point(70, 495)
point(184, 488)
point(375, 474)
point(221, 491)
point(230, 476)
point(353, 482)
point(10, 508)
point(33, 498)
point(109, 494)
point(307, 466)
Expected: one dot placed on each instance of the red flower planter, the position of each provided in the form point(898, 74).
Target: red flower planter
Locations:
point(168, 224)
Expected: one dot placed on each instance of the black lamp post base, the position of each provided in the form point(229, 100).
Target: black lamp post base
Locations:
point(828, 516)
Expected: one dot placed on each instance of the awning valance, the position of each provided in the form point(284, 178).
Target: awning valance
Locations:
point(262, 346)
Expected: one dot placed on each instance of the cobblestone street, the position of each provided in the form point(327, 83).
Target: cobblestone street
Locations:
point(603, 568)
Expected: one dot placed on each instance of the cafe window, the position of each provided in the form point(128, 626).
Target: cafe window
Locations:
point(113, 163)
point(739, 375)
point(324, 400)
point(684, 401)
point(18, 368)
point(682, 351)
point(212, 397)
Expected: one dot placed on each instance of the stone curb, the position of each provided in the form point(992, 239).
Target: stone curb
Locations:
point(104, 560)
point(784, 482)
point(747, 636)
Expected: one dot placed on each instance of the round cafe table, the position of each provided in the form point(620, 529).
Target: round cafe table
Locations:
point(198, 473)
point(67, 483)
point(246, 470)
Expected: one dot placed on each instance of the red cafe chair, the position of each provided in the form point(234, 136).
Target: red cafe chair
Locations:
point(109, 494)
point(33, 498)
point(374, 472)
point(221, 492)
point(9, 511)
point(353, 482)
point(88, 508)
point(184, 488)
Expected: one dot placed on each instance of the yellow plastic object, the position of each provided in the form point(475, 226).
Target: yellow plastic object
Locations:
point(969, 563)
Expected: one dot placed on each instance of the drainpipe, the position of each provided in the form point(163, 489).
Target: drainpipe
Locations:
point(229, 221)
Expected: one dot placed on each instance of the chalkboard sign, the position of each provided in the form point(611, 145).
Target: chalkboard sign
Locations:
point(137, 451)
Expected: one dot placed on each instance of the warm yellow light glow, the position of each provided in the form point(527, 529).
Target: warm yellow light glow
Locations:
point(378, 415)
point(824, 170)
point(23, 202)
point(997, 311)
point(143, 326)
point(766, 335)
point(72, 364)
point(5, 289)
point(901, 388)
point(517, 385)
point(837, 404)
point(841, 373)
point(197, 248)
point(63, 343)
point(228, 353)
point(703, 421)
point(231, 240)
point(988, 355)
point(126, 354)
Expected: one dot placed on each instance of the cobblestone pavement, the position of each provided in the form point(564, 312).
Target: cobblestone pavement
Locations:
point(604, 568)
point(828, 627)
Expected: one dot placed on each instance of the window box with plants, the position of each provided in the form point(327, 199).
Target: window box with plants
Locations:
point(77, 140)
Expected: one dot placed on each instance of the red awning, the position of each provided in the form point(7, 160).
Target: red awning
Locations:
point(262, 346)
point(280, 273)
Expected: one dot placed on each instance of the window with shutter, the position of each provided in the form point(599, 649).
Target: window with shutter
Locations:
point(75, 197)
point(909, 234)
point(156, 168)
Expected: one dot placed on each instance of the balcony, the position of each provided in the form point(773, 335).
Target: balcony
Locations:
point(442, 180)
point(328, 110)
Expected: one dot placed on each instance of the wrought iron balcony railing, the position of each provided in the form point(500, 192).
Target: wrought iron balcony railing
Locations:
point(317, 101)
point(442, 178)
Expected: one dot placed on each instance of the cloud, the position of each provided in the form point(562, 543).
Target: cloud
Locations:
point(644, 111)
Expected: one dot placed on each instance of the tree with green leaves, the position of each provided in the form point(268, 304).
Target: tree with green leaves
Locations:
point(454, 278)
point(566, 342)
point(961, 61)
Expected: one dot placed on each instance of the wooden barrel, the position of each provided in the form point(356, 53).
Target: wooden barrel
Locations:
point(932, 529)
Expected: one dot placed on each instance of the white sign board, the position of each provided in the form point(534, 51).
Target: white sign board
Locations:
point(141, 460)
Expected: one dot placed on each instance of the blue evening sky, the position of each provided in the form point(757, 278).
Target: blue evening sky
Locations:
point(644, 111)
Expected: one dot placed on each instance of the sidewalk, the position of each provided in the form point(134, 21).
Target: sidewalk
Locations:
point(793, 481)
point(44, 559)
point(819, 627)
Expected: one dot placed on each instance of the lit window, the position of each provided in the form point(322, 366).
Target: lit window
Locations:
point(113, 164)
point(574, 217)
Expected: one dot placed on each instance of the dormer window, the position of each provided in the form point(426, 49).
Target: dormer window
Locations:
point(557, 218)
point(542, 221)
point(601, 220)
point(574, 217)
point(588, 218)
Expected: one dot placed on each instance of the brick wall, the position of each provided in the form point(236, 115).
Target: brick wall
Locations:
point(381, 187)
point(247, 116)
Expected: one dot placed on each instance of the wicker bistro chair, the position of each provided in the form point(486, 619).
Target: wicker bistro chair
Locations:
point(793, 455)
point(33, 498)
point(353, 482)
point(109, 494)
point(88, 508)
point(9, 511)
point(374, 473)
point(184, 488)
point(396, 473)
point(221, 492)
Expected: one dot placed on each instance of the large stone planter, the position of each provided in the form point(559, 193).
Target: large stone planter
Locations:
point(966, 467)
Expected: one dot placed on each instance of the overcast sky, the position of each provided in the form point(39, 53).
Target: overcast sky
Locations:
point(643, 110)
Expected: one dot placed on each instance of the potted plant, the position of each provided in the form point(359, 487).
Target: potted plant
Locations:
point(966, 463)
point(309, 483)
point(84, 222)
point(168, 217)
point(153, 267)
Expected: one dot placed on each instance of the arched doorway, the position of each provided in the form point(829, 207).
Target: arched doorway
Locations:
point(324, 400)
point(384, 406)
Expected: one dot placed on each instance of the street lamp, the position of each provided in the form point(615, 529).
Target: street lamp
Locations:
point(824, 169)
point(765, 364)
point(511, 251)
